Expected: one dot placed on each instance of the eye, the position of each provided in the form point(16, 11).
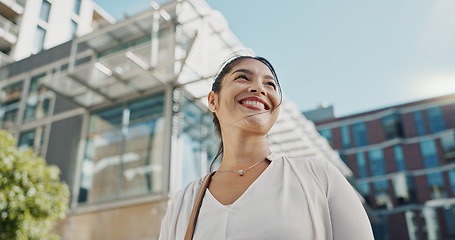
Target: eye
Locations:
point(271, 84)
point(241, 77)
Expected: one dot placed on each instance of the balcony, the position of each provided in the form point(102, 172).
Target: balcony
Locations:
point(12, 8)
point(8, 33)
point(5, 59)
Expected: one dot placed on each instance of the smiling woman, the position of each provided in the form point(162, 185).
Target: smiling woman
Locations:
point(256, 194)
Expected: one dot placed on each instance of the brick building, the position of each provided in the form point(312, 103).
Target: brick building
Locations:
point(403, 158)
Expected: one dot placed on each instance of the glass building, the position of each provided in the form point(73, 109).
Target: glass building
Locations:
point(403, 158)
point(122, 111)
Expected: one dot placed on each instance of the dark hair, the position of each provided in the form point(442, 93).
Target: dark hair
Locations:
point(216, 87)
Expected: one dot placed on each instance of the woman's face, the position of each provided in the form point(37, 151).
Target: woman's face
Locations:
point(248, 94)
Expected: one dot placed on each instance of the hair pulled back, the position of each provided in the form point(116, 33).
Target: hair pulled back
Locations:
point(217, 85)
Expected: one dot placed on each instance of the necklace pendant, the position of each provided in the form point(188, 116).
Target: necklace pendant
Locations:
point(241, 172)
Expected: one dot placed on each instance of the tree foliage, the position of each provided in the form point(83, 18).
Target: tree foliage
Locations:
point(32, 197)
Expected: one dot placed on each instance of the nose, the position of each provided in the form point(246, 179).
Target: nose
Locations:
point(257, 88)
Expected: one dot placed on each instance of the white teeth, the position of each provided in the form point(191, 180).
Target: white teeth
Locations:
point(254, 103)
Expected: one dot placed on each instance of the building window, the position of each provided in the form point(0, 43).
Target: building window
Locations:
point(38, 100)
point(362, 165)
point(435, 119)
point(377, 165)
point(449, 218)
point(77, 6)
point(327, 134)
point(10, 98)
point(40, 35)
point(124, 152)
point(404, 189)
point(391, 125)
point(452, 180)
point(399, 158)
point(32, 139)
point(431, 160)
point(359, 132)
point(73, 29)
point(420, 126)
point(45, 10)
point(345, 137)
point(448, 146)
point(364, 189)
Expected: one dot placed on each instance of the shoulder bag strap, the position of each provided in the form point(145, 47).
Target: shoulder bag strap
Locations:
point(197, 207)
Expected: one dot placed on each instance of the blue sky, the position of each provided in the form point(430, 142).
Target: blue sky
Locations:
point(357, 55)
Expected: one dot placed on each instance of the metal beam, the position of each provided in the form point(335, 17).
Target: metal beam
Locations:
point(83, 83)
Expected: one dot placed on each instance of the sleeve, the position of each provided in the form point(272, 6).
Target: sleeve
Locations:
point(167, 231)
point(348, 217)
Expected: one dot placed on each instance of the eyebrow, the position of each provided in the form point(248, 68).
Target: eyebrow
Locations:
point(246, 71)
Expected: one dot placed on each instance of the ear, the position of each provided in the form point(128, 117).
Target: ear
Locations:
point(212, 100)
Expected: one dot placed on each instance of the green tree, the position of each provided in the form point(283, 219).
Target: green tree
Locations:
point(32, 197)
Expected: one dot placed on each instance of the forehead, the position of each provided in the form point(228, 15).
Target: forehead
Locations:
point(253, 65)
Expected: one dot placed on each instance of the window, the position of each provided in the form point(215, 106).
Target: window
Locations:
point(361, 165)
point(40, 35)
point(404, 189)
point(431, 160)
point(345, 137)
point(124, 152)
point(10, 98)
point(359, 132)
point(448, 146)
point(77, 6)
point(327, 134)
point(391, 125)
point(377, 165)
point(452, 180)
point(399, 158)
point(420, 126)
point(435, 119)
point(449, 218)
point(45, 10)
point(32, 139)
point(364, 189)
point(38, 100)
point(73, 29)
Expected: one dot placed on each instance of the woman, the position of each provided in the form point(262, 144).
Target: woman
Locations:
point(256, 194)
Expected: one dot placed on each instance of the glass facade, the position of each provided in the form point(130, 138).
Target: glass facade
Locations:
point(448, 146)
point(381, 187)
point(38, 100)
point(449, 219)
point(392, 127)
point(452, 180)
point(431, 160)
point(345, 137)
point(77, 6)
point(399, 158)
point(403, 186)
point(124, 152)
point(362, 165)
point(420, 125)
point(359, 132)
point(45, 10)
point(40, 35)
point(10, 98)
point(32, 139)
point(435, 119)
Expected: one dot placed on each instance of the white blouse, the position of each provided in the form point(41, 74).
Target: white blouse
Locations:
point(291, 199)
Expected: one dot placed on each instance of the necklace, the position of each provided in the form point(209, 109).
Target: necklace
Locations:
point(241, 172)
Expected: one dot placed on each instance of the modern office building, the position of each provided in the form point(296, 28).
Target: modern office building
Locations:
point(122, 111)
point(403, 158)
point(29, 26)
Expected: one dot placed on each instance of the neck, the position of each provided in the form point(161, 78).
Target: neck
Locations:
point(243, 150)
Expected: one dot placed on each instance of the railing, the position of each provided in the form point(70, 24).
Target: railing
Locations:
point(5, 59)
point(18, 2)
point(8, 26)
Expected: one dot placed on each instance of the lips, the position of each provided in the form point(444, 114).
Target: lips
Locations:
point(254, 102)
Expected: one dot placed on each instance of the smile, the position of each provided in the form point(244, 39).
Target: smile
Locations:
point(254, 104)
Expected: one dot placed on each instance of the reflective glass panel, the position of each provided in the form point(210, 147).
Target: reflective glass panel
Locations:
point(32, 139)
point(45, 10)
point(40, 35)
point(418, 120)
point(399, 158)
point(327, 134)
point(38, 100)
point(124, 152)
point(359, 132)
point(448, 146)
point(345, 137)
point(10, 98)
point(361, 165)
point(391, 125)
point(435, 119)
point(377, 165)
